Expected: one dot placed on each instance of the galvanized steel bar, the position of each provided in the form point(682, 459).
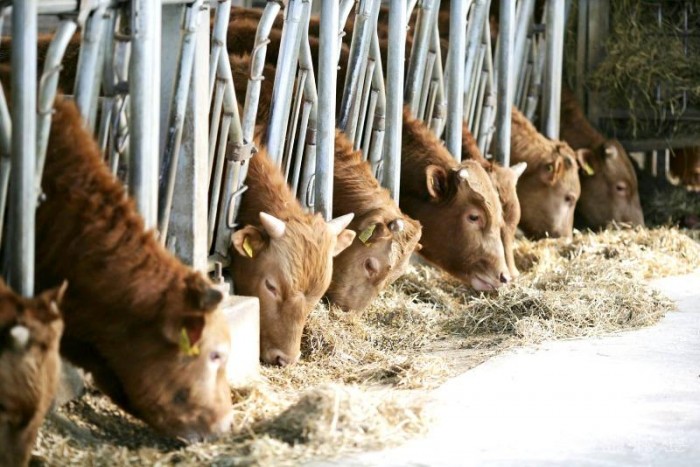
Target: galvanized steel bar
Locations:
point(284, 76)
point(359, 47)
point(373, 147)
point(298, 97)
point(486, 111)
point(309, 121)
point(178, 107)
point(419, 52)
point(5, 154)
point(364, 103)
point(48, 86)
point(325, 144)
point(89, 74)
point(257, 66)
point(218, 41)
point(144, 99)
point(524, 17)
point(536, 84)
point(394, 97)
point(455, 84)
point(505, 91)
point(475, 32)
point(23, 196)
point(553, 67)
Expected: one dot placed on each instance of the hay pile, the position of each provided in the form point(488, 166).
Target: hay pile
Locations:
point(649, 66)
point(363, 379)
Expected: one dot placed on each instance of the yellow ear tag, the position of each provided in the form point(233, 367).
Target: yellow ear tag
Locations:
point(588, 169)
point(185, 346)
point(366, 234)
point(248, 249)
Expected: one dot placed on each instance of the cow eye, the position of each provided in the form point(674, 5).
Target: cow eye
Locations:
point(570, 199)
point(550, 167)
point(621, 187)
point(474, 217)
point(270, 287)
point(216, 356)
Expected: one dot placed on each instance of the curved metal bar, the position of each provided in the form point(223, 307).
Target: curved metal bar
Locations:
point(218, 41)
point(257, 66)
point(178, 107)
point(89, 74)
point(48, 86)
point(284, 76)
point(419, 51)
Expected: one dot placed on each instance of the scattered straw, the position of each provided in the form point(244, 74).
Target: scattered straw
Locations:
point(363, 379)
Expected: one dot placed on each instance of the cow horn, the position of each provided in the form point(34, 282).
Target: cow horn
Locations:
point(519, 169)
point(397, 225)
point(20, 337)
point(274, 227)
point(463, 174)
point(338, 224)
point(610, 151)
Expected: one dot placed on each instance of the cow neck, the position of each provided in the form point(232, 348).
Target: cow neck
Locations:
point(526, 143)
point(100, 244)
point(575, 127)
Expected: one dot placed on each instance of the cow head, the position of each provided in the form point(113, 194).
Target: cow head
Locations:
point(505, 181)
point(288, 266)
point(378, 256)
point(179, 386)
point(608, 187)
point(462, 221)
point(548, 192)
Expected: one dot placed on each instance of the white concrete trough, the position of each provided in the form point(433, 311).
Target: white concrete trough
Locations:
point(243, 317)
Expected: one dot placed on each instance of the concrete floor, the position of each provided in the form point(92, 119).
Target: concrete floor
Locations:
point(627, 399)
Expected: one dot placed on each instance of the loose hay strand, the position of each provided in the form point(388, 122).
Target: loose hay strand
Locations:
point(363, 381)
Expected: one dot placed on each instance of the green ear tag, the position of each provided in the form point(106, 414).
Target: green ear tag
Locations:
point(248, 249)
point(588, 169)
point(185, 347)
point(366, 234)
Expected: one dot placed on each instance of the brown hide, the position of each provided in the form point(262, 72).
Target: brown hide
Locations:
point(130, 302)
point(609, 189)
point(504, 179)
point(685, 165)
point(372, 262)
point(425, 144)
point(288, 272)
point(550, 187)
point(30, 331)
point(458, 207)
point(364, 268)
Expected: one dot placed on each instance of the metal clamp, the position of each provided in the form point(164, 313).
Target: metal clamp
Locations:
point(240, 152)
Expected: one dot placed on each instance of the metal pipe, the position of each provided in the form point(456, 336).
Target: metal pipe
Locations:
point(364, 103)
point(215, 186)
point(284, 77)
point(475, 33)
point(553, 67)
point(394, 97)
point(89, 73)
point(536, 87)
point(486, 112)
point(373, 148)
point(419, 52)
point(505, 92)
point(48, 85)
point(23, 196)
point(359, 48)
point(325, 148)
point(5, 154)
point(298, 96)
point(525, 12)
point(178, 107)
point(214, 124)
point(455, 85)
point(144, 79)
point(218, 41)
point(301, 144)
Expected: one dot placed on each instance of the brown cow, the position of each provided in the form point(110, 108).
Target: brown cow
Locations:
point(30, 331)
point(421, 144)
point(685, 165)
point(284, 256)
point(609, 190)
point(146, 326)
point(550, 187)
point(364, 268)
point(458, 207)
point(505, 180)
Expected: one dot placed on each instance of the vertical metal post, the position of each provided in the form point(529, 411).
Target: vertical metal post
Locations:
point(554, 59)
point(419, 53)
point(525, 12)
point(394, 96)
point(144, 79)
point(505, 94)
point(325, 148)
point(23, 195)
point(455, 84)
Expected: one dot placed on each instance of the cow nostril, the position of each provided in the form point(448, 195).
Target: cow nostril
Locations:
point(281, 361)
point(503, 278)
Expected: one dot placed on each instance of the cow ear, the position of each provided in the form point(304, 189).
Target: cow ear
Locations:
point(585, 159)
point(201, 294)
point(185, 330)
point(436, 181)
point(344, 240)
point(248, 241)
point(53, 299)
point(373, 229)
